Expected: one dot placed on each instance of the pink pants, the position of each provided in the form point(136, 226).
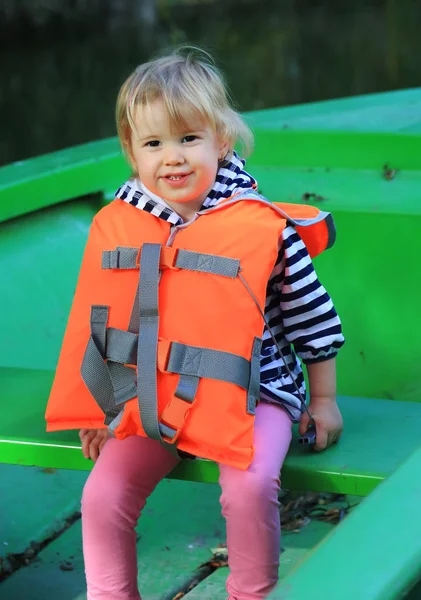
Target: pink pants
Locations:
point(127, 472)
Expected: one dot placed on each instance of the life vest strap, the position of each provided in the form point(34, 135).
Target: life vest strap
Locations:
point(123, 380)
point(192, 363)
point(94, 371)
point(187, 388)
point(253, 392)
point(147, 348)
point(206, 362)
point(120, 349)
point(110, 350)
point(120, 258)
point(207, 263)
point(173, 258)
point(121, 346)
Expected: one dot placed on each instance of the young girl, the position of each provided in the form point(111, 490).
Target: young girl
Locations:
point(178, 131)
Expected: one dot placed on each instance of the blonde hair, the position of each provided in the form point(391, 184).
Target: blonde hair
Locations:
point(188, 82)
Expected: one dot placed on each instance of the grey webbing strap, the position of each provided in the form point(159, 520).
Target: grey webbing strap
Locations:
point(126, 258)
point(250, 194)
point(321, 216)
point(169, 432)
point(147, 350)
point(205, 362)
point(116, 422)
point(134, 323)
point(253, 392)
point(121, 346)
point(207, 263)
point(94, 370)
point(187, 387)
point(99, 320)
point(123, 380)
point(120, 258)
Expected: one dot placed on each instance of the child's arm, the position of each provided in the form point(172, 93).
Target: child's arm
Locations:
point(93, 441)
point(312, 326)
point(323, 406)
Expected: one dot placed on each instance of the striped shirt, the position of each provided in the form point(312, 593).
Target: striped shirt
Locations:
point(300, 313)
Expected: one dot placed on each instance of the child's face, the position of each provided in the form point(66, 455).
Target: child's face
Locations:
point(179, 166)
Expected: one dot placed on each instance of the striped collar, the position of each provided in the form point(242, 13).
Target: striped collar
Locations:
point(229, 179)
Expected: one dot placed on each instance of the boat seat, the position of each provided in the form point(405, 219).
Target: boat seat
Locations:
point(367, 453)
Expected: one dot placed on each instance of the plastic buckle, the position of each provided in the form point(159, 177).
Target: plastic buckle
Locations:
point(163, 354)
point(172, 440)
point(168, 257)
point(309, 438)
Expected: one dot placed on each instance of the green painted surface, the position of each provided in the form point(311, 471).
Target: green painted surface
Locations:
point(46, 180)
point(349, 467)
point(336, 150)
point(350, 191)
point(171, 545)
point(365, 302)
point(179, 526)
point(367, 209)
point(397, 112)
point(326, 134)
point(375, 554)
point(415, 592)
point(296, 546)
point(34, 503)
point(39, 289)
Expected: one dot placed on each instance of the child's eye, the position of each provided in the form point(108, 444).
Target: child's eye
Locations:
point(153, 143)
point(189, 138)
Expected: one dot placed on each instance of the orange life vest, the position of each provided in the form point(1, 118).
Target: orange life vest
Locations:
point(164, 334)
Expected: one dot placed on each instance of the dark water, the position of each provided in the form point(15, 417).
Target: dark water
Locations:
point(60, 77)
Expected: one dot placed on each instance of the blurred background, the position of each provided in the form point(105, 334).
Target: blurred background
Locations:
point(63, 61)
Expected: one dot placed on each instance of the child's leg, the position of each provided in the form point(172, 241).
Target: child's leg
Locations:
point(124, 476)
point(251, 508)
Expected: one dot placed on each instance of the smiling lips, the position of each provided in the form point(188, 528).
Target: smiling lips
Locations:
point(177, 179)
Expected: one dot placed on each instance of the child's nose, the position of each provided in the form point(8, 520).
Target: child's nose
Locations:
point(174, 156)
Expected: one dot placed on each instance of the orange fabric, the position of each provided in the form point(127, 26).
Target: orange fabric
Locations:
point(197, 309)
point(316, 237)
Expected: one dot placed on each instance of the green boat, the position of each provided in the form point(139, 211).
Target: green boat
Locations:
point(359, 158)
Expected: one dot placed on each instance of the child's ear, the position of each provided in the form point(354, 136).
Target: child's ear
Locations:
point(223, 149)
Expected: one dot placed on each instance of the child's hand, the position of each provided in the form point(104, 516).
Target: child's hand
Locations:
point(93, 441)
point(328, 421)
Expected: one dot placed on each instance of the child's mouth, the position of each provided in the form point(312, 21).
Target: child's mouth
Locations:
point(177, 180)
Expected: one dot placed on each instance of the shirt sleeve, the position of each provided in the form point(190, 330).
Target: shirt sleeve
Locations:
point(310, 321)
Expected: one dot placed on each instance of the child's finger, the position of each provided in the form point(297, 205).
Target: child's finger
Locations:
point(85, 446)
point(304, 424)
point(82, 434)
point(321, 439)
point(96, 445)
point(330, 439)
point(94, 451)
point(86, 442)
